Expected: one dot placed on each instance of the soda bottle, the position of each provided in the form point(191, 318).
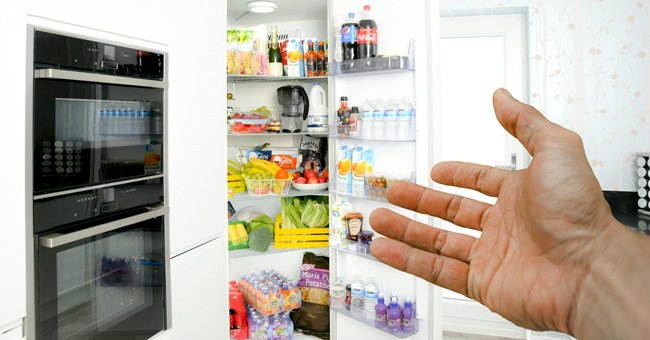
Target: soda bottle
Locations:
point(320, 59)
point(349, 38)
point(367, 35)
point(310, 61)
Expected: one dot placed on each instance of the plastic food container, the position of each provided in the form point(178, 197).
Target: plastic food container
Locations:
point(377, 184)
point(248, 125)
point(263, 187)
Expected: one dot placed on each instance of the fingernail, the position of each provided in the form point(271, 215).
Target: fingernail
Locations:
point(507, 92)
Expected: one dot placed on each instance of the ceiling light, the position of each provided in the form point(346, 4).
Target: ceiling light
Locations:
point(262, 6)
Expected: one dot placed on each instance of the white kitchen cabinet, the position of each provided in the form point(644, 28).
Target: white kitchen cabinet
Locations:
point(12, 178)
point(198, 291)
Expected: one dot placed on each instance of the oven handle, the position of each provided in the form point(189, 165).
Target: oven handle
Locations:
point(57, 240)
point(51, 73)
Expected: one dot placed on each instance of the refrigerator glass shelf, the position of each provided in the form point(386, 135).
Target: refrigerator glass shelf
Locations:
point(351, 247)
point(274, 134)
point(364, 197)
point(371, 323)
point(377, 65)
point(233, 254)
point(334, 135)
point(242, 197)
point(244, 78)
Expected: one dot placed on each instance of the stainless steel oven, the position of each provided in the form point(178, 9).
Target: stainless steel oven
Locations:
point(99, 217)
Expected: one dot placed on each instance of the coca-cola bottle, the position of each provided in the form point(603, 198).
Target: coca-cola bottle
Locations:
point(367, 35)
point(349, 38)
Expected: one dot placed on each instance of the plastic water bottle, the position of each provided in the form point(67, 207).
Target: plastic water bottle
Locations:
point(378, 114)
point(370, 298)
point(103, 121)
point(366, 127)
point(381, 319)
point(390, 120)
point(358, 294)
point(112, 115)
point(407, 316)
point(289, 323)
point(394, 315)
point(405, 115)
point(146, 123)
point(337, 294)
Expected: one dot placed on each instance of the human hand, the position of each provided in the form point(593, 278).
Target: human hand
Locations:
point(549, 224)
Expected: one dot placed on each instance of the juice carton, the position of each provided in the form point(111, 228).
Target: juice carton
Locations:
point(343, 170)
point(363, 162)
point(295, 58)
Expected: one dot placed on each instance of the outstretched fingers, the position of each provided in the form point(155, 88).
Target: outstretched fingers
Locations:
point(459, 210)
point(437, 269)
point(484, 179)
point(422, 236)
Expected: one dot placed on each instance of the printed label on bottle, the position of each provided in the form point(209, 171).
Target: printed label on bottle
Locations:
point(348, 34)
point(392, 322)
point(406, 323)
point(403, 114)
point(367, 35)
point(317, 121)
point(390, 115)
point(276, 69)
point(377, 114)
point(366, 115)
point(260, 334)
point(380, 318)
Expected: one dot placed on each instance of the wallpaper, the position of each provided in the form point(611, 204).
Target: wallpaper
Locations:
point(590, 72)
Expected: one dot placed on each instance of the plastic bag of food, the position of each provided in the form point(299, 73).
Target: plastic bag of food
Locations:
point(237, 235)
point(313, 317)
point(314, 153)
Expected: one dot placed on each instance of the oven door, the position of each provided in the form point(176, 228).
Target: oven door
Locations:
point(104, 282)
point(90, 129)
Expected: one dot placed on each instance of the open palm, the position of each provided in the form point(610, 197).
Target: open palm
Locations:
point(537, 241)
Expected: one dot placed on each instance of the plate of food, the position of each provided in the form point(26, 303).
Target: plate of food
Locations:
point(310, 187)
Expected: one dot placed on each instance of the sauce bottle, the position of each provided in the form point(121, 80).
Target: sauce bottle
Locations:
point(310, 61)
point(354, 224)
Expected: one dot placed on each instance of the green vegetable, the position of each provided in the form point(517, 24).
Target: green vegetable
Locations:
point(260, 239)
point(315, 215)
point(263, 219)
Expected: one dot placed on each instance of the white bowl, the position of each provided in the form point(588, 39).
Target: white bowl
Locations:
point(310, 187)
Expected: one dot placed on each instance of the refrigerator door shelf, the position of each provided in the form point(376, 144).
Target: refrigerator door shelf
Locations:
point(401, 334)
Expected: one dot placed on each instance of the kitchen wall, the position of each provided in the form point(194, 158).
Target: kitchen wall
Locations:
point(589, 72)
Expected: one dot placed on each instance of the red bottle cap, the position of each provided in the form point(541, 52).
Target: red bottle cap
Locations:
point(366, 7)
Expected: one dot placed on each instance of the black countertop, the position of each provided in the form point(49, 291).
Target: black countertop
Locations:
point(625, 210)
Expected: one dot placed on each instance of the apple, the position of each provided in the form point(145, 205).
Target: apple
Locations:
point(310, 174)
point(312, 180)
point(296, 175)
point(322, 179)
point(301, 180)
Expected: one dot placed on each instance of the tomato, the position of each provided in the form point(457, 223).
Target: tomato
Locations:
point(310, 174)
point(282, 174)
point(312, 180)
point(322, 179)
point(301, 180)
point(325, 173)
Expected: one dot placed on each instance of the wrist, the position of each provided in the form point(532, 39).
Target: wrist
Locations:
point(613, 296)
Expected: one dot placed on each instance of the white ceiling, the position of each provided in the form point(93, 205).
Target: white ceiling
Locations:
point(288, 10)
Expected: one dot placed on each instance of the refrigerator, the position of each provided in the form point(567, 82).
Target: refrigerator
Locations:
point(396, 157)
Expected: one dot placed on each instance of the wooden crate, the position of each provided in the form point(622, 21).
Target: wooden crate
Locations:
point(300, 237)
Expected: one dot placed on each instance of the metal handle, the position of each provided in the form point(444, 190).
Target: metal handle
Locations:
point(51, 73)
point(57, 240)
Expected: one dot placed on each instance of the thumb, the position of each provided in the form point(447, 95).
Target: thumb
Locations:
point(522, 121)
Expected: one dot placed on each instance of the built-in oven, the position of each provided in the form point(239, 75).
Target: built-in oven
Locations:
point(99, 217)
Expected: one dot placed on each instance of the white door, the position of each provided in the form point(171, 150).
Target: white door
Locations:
point(478, 54)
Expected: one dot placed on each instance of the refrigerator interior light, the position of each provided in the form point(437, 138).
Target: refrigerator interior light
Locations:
point(262, 6)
